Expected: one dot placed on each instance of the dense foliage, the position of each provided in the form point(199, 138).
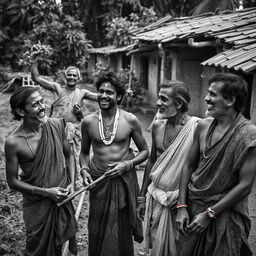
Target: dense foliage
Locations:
point(71, 28)
point(24, 23)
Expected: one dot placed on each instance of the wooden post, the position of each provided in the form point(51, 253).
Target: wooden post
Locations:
point(162, 54)
point(129, 89)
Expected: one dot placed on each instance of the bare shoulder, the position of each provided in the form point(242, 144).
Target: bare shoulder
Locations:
point(158, 123)
point(91, 118)
point(12, 141)
point(204, 123)
point(130, 117)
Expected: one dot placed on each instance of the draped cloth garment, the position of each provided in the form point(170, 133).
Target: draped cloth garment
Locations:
point(63, 108)
point(216, 175)
point(160, 232)
point(47, 225)
point(112, 216)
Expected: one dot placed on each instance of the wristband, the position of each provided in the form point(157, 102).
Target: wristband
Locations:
point(129, 165)
point(211, 213)
point(181, 206)
point(85, 168)
point(141, 199)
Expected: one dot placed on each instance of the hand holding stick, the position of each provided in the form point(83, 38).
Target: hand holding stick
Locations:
point(92, 184)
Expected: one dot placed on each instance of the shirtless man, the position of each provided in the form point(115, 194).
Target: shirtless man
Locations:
point(218, 175)
point(172, 137)
point(39, 147)
point(112, 216)
point(68, 105)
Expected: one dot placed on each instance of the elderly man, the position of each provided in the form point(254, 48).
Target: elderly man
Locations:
point(218, 175)
point(68, 105)
point(38, 146)
point(172, 137)
point(112, 215)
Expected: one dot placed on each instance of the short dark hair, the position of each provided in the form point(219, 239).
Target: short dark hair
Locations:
point(113, 79)
point(180, 93)
point(233, 86)
point(19, 99)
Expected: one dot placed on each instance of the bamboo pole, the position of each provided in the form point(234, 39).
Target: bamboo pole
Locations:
point(65, 251)
point(92, 184)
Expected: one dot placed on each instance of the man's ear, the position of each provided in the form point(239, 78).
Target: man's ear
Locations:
point(231, 101)
point(119, 97)
point(179, 104)
point(19, 111)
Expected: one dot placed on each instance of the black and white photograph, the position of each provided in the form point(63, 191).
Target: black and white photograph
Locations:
point(128, 127)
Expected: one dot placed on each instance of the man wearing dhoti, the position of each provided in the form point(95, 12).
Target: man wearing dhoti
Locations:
point(218, 175)
point(172, 137)
point(113, 223)
point(38, 146)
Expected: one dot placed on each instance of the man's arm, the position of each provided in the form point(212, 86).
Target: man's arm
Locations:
point(85, 152)
point(70, 163)
point(152, 159)
point(139, 141)
point(141, 204)
point(48, 85)
point(11, 159)
point(247, 175)
point(182, 218)
point(90, 95)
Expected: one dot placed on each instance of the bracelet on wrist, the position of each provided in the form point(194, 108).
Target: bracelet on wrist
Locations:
point(85, 168)
point(141, 199)
point(181, 206)
point(129, 164)
point(211, 213)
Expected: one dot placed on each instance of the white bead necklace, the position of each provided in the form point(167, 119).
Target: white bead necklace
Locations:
point(101, 130)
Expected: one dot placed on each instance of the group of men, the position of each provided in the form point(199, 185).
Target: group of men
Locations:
point(193, 199)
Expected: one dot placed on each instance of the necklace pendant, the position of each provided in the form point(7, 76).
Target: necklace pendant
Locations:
point(107, 134)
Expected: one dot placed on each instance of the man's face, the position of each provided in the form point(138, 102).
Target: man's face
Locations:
point(72, 77)
point(165, 104)
point(217, 105)
point(35, 108)
point(107, 96)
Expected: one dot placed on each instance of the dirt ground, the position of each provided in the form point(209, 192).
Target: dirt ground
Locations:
point(12, 231)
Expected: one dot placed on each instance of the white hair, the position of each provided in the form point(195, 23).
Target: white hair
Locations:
point(72, 67)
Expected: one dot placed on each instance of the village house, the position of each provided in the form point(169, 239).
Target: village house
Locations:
point(191, 49)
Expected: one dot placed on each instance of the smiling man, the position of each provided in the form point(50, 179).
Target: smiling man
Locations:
point(112, 215)
point(68, 104)
point(218, 175)
point(39, 148)
point(172, 137)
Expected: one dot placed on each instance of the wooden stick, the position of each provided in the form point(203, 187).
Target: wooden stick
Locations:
point(81, 190)
point(65, 250)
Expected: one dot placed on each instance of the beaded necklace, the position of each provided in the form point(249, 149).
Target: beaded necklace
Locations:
point(109, 139)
